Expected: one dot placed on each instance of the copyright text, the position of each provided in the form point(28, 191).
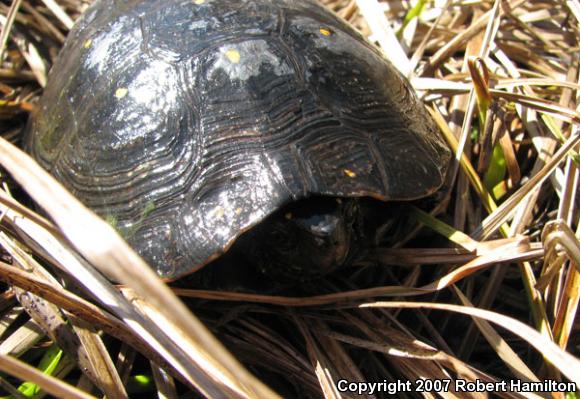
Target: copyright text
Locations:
point(458, 385)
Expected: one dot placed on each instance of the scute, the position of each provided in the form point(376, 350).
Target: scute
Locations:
point(186, 124)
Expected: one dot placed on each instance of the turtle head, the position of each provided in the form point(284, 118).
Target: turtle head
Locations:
point(305, 239)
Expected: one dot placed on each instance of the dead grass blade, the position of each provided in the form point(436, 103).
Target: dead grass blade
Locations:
point(164, 383)
point(51, 385)
point(427, 362)
point(569, 191)
point(499, 345)
point(105, 249)
point(44, 23)
point(421, 354)
point(321, 365)
point(502, 251)
point(384, 34)
point(79, 341)
point(566, 314)
point(34, 60)
point(28, 214)
point(107, 378)
point(567, 306)
point(477, 184)
point(535, 82)
point(513, 168)
point(421, 256)
point(566, 363)
point(558, 236)
point(342, 363)
point(460, 39)
point(574, 7)
point(512, 250)
point(7, 23)
point(59, 13)
point(79, 308)
point(8, 317)
point(538, 104)
point(22, 339)
point(502, 213)
point(419, 52)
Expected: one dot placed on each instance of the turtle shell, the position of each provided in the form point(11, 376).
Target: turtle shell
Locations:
point(185, 123)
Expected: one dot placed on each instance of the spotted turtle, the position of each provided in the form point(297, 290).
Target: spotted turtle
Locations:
point(187, 123)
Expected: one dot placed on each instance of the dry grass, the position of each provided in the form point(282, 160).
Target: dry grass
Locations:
point(502, 81)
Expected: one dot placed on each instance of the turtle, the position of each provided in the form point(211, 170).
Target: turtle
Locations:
point(191, 125)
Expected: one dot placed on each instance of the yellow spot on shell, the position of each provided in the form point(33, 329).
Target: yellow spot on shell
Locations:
point(121, 92)
point(238, 211)
point(198, 2)
point(233, 55)
point(325, 31)
point(218, 212)
point(88, 43)
point(349, 173)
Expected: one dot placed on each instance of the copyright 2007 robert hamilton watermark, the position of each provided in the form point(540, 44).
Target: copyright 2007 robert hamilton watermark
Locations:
point(457, 385)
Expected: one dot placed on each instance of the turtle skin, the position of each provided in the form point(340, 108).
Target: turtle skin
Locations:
point(186, 123)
